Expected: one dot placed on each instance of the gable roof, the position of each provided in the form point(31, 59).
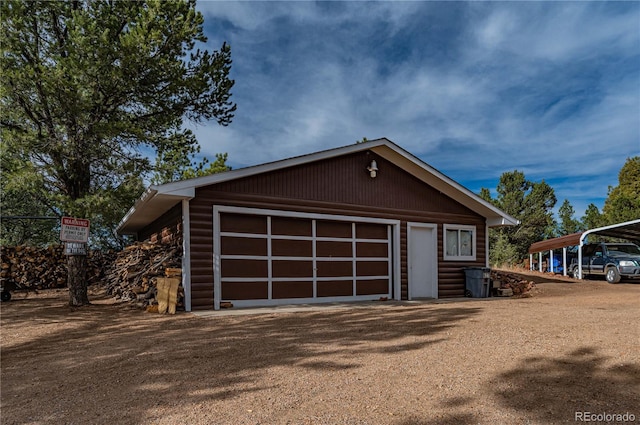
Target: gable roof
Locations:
point(158, 199)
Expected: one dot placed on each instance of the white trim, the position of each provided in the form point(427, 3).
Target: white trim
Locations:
point(186, 254)
point(245, 235)
point(314, 252)
point(459, 227)
point(434, 247)
point(390, 259)
point(269, 260)
point(354, 272)
point(217, 283)
point(486, 246)
point(305, 279)
point(393, 241)
point(297, 214)
point(316, 300)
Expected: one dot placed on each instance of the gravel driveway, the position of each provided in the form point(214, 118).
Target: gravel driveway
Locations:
point(571, 348)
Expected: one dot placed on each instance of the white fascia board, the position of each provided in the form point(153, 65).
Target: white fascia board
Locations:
point(150, 207)
point(144, 198)
point(184, 193)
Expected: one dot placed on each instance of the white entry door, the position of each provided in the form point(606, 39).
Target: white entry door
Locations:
point(422, 260)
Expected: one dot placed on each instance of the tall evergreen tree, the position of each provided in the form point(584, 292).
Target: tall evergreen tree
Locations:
point(568, 224)
point(94, 86)
point(623, 201)
point(592, 218)
point(531, 203)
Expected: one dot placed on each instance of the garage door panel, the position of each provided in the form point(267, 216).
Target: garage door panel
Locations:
point(334, 249)
point(292, 290)
point(372, 287)
point(372, 249)
point(333, 229)
point(230, 245)
point(334, 268)
point(249, 290)
point(285, 268)
point(291, 226)
point(372, 268)
point(338, 288)
point(291, 248)
point(371, 231)
point(244, 268)
point(243, 223)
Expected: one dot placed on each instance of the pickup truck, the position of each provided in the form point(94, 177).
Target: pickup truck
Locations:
point(614, 261)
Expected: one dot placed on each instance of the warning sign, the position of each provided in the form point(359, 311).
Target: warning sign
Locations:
point(75, 248)
point(74, 230)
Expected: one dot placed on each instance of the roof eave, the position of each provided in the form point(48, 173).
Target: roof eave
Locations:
point(154, 202)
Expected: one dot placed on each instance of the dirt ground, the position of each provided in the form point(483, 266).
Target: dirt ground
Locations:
point(571, 349)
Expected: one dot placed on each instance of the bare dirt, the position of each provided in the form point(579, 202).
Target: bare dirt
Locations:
point(572, 347)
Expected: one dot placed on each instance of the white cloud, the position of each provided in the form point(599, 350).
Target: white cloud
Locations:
point(476, 89)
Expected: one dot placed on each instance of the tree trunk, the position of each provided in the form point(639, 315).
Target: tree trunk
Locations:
point(77, 280)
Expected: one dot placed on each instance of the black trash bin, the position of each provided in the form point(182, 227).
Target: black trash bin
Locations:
point(478, 282)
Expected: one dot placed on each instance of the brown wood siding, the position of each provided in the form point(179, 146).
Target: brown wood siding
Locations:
point(338, 186)
point(201, 222)
point(345, 180)
point(165, 228)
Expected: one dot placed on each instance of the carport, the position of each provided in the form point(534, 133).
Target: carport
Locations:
point(629, 230)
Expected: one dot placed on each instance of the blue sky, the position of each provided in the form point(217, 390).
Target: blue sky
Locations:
point(476, 89)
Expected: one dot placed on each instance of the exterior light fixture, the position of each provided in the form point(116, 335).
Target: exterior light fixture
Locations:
point(373, 169)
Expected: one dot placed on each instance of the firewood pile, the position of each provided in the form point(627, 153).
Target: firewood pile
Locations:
point(35, 268)
point(520, 286)
point(134, 274)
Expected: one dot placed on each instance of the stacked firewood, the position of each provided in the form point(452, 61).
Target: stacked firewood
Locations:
point(134, 273)
point(34, 268)
point(518, 285)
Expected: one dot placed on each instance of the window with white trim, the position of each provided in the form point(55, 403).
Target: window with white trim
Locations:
point(459, 242)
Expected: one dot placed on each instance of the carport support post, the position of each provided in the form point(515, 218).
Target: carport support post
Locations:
point(564, 261)
point(540, 261)
point(530, 261)
point(550, 265)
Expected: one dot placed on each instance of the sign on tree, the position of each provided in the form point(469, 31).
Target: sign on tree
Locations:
point(74, 230)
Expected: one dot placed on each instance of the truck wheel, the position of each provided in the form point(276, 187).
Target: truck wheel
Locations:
point(575, 273)
point(5, 296)
point(612, 275)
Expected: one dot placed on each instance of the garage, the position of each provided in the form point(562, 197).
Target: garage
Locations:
point(268, 257)
point(360, 222)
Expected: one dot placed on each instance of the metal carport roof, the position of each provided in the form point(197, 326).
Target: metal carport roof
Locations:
point(629, 230)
